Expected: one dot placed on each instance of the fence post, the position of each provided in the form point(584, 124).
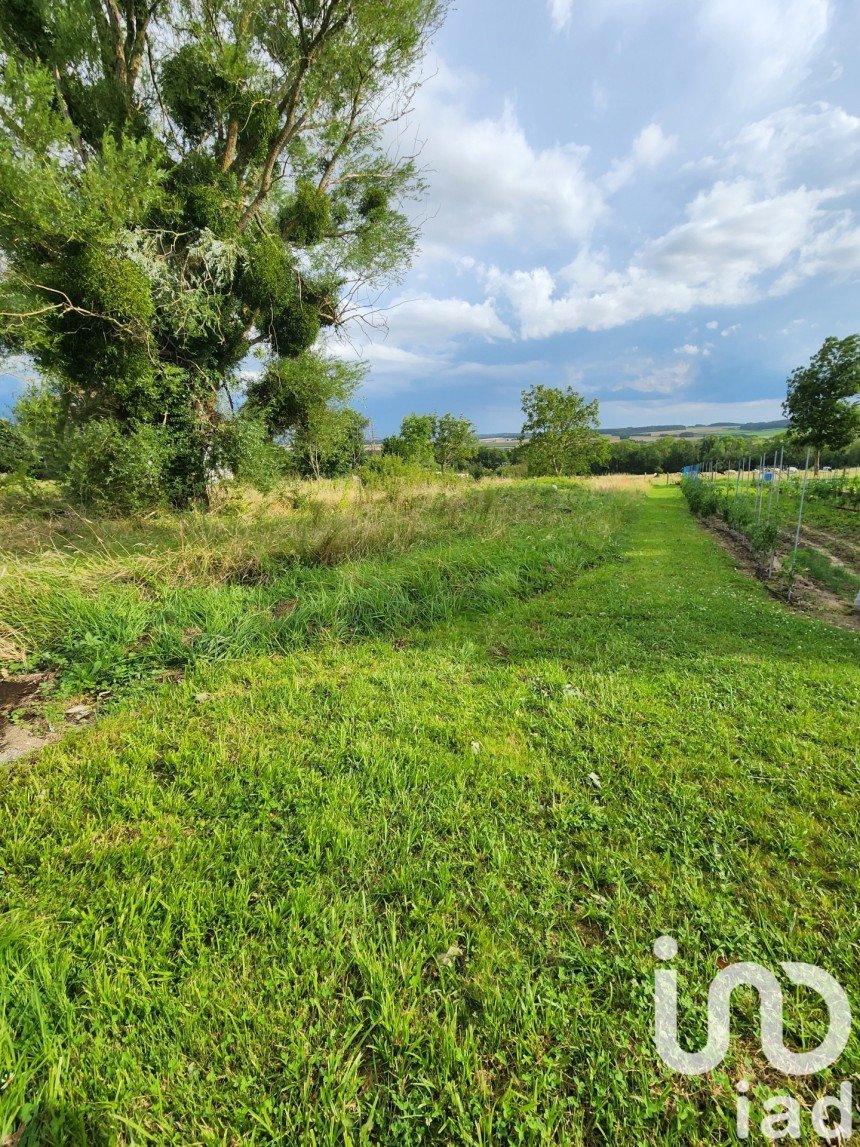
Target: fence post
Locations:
point(799, 521)
point(775, 512)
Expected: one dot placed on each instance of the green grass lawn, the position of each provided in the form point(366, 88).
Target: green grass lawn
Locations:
point(400, 884)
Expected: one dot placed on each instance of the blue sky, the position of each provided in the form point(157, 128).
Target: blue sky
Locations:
point(654, 202)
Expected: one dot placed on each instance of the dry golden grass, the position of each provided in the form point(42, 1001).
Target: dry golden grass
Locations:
point(610, 482)
point(245, 534)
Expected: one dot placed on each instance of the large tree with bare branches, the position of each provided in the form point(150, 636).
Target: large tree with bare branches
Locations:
point(184, 180)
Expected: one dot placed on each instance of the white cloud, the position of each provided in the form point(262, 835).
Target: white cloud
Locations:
point(730, 330)
point(721, 255)
point(421, 320)
point(560, 12)
point(818, 142)
point(687, 348)
point(489, 182)
point(499, 371)
point(383, 357)
point(713, 325)
point(834, 251)
point(765, 43)
point(647, 378)
point(650, 148)
point(652, 145)
point(731, 236)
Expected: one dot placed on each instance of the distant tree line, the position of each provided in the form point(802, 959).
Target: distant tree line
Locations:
point(671, 454)
point(299, 422)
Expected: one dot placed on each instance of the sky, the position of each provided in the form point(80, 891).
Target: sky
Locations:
point(656, 203)
point(653, 202)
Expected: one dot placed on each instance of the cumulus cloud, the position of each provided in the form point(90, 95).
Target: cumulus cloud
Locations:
point(560, 12)
point(650, 148)
point(489, 182)
point(818, 143)
point(721, 255)
point(422, 320)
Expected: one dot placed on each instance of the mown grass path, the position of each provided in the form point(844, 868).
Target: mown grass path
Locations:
point(406, 892)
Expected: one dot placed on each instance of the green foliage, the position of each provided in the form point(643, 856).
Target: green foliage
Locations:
point(40, 419)
point(391, 472)
point(306, 220)
point(429, 440)
point(113, 472)
point(414, 443)
point(821, 404)
point(491, 460)
point(329, 442)
point(244, 446)
point(294, 329)
point(291, 390)
point(268, 276)
point(147, 239)
point(559, 434)
point(454, 441)
point(837, 577)
point(17, 454)
point(671, 454)
point(196, 92)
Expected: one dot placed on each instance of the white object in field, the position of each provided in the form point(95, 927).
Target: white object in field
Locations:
point(857, 602)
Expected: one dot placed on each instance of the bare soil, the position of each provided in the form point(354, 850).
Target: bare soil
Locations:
point(23, 726)
point(808, 597)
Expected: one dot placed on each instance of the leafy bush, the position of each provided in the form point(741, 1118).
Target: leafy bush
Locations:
point(387, 471)
point(112, 472)
point(713, 500)
point(244, 447)
point(38, 417)
point(704, 497)
point(17, 454)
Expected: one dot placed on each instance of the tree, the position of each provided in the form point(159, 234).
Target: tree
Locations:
point(183, 180)
point(303, 401)
point(490, 460)
point(454, 441)
point(330, 443)
point(428, 440)
point(821, 403)
point(560, 433)
point(414, 443)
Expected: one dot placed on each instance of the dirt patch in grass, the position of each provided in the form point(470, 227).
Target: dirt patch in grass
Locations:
point(19, 692)
point(808, 597)
point(27, 723)
point(840, 550)
point(22, 695)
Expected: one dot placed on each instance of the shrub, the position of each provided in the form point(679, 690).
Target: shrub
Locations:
point(385, 471)
point(17, 454)
point(112, 472)
point(243, 446)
